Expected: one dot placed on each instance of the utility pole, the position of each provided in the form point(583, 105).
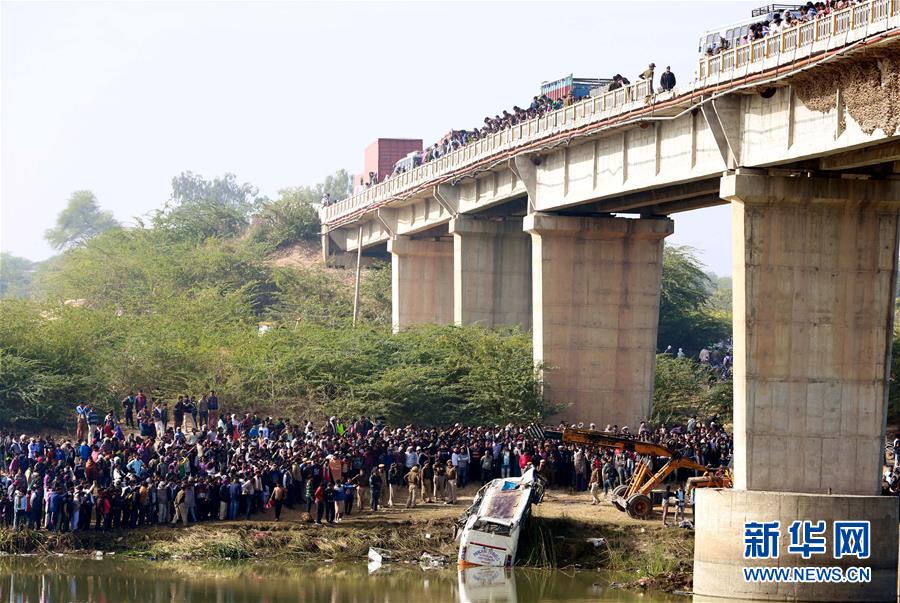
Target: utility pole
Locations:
point(358, 270)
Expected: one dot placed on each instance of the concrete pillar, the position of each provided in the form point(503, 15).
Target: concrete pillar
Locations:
point(421, 281)
point(720, 516)
point(491, 272)
point(596, 294)
point(815, 264)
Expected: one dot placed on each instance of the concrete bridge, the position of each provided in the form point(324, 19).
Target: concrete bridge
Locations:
point(799, 133)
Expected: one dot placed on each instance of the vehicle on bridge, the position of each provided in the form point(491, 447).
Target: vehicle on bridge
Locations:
point(636, 497)
point(730, 35)
point(578, 87)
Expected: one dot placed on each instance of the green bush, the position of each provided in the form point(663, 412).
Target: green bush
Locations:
point(285, 222)
point(56, 355)
point(682, 389)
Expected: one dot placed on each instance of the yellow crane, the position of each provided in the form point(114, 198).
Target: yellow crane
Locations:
point(635, 497)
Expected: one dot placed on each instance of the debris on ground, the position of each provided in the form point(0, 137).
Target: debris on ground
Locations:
point(379, 555)
point(429, 561)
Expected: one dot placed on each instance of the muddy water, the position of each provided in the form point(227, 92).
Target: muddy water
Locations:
point(64, 580)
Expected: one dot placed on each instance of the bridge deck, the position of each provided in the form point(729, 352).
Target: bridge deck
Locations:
point(754, 64)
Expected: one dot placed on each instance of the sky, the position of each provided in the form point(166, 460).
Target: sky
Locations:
point(118, 98)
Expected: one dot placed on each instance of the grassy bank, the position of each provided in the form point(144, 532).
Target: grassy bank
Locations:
point(639, 554)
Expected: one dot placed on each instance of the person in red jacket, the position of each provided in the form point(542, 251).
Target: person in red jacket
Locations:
point(319, 497)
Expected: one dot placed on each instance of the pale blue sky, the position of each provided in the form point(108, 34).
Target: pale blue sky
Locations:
point(119, 97)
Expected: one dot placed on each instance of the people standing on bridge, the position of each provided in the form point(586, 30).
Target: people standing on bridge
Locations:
point(667, 80)
point(647, 74)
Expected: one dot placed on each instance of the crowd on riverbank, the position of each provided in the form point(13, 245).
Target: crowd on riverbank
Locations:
point(238, 465)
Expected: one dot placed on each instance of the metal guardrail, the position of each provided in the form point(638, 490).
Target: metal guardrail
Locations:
point(795, 43)
point(586, 111)
point(800, 41)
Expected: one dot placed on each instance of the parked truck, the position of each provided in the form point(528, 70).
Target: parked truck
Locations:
point(579, 87)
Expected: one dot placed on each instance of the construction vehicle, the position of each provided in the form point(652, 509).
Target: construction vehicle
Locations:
point(635, 497)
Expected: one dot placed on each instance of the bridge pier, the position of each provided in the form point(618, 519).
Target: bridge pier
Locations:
point(596, 287)
point(815, 264)
point(421, 281)
point(491, 272)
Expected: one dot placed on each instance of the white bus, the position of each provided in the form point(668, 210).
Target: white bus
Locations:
point(490, 535)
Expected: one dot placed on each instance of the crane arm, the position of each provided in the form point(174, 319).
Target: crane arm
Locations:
point(604, 439)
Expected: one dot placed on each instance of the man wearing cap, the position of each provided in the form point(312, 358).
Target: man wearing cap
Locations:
point(647, 74)
point(451, 484)
point(413, 482)
point(376, 480)
point(667, 82)
point(20, 509)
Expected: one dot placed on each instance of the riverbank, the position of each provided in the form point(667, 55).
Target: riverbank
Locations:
point(561, 535)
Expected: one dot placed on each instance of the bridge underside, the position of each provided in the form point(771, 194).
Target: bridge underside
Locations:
point(810, 165)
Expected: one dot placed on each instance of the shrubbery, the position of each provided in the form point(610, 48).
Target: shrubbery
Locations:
point(175, 308)
point(55, 355)
point(682, 389)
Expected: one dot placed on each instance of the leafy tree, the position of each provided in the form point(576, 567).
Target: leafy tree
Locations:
point(375, 294)
point(199, 209)
point(287, 220)
point(721, 297)
point(294, 216)
point(894, 385)
point(136, 271)
point(311, 295)
point(686, 314)
point(682, 389)
point(81, 220)
point(16, 275)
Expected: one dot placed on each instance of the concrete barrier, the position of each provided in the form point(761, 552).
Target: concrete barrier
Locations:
point(719, 545)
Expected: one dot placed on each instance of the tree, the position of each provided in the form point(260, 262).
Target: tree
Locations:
point(137, 271)
point(294, 216)
point(16, 275)
point(199, 209)
point(721, 299)
point(683, 388)
point(79, 221)
point(687, 318)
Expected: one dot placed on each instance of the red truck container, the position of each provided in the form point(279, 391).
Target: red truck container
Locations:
point(382, 154)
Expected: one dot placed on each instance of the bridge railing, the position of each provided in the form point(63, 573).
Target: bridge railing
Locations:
point(798, 42)
point(577, 114)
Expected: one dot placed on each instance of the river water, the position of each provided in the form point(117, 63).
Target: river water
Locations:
point(71, 580)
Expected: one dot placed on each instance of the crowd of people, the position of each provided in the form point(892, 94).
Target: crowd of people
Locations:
point(197, 464)
point(455, 139)
point(540, 105)
point(719, 357)
point(777, 22)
